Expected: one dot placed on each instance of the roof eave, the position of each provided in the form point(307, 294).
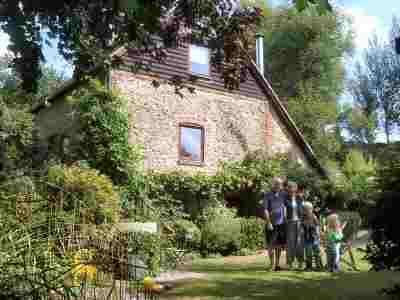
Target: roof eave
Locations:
point(284, 114)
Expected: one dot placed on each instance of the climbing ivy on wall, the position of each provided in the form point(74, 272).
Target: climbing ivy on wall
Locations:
point(105, 127)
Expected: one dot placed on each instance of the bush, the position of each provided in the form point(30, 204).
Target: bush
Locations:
point(384, 249)
point(220, 231)
point(245, 252)
point(252, 233)
point(189, 232)
point(76, 187)
point(147, 247)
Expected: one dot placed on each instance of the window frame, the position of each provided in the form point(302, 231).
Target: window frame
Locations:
point(181, 159)
point(208, 75)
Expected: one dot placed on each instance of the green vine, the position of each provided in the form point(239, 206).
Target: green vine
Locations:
point(105, 127)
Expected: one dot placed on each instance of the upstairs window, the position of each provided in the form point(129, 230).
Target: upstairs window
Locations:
point(199, 59)
point(191, 143)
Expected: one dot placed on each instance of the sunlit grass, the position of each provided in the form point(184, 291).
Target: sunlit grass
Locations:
point(251, 280)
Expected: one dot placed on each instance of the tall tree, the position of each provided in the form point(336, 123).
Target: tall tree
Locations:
point(361, 119)
point(304, 61)
point(382, 74)
point(11, 82)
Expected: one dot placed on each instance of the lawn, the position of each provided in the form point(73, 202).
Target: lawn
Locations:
point(247, 278)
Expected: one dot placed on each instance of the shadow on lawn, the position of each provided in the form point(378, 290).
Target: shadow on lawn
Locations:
point(239, 282)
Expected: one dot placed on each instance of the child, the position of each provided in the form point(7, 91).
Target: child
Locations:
point(311, 237)
point(334, 236)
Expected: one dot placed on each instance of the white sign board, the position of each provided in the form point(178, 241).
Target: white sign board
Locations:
point(138, 227)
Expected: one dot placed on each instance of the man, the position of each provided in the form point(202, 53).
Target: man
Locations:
point(275, 215)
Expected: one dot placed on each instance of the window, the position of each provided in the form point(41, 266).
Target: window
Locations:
point(199, 59)
point(191, 143)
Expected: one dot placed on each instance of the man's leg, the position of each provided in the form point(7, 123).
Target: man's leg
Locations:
point(278, 252)
point(271, 258)
point(309, 257)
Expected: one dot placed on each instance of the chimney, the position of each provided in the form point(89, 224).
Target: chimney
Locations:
point(260, 52)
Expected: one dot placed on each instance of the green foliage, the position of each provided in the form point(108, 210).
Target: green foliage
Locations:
point(356, 164)
point(245, 180)
point(105, 126)
point(245, 252)
point(304, 57)
point(189, 232)
point(307, 48)
point(383, 251)
point(307, 106)
point(148, 246)
point(16, 125)
point(180, 194)
point(220, 231)
point(252, 234)
point(86, 34)
point(84, 188)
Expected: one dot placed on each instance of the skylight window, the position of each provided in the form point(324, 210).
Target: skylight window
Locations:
point(199, 59)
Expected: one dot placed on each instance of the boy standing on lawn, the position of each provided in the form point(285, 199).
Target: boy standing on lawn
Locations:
point(275, 216)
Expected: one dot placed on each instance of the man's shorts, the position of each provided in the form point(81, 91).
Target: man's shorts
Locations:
point(276, 238)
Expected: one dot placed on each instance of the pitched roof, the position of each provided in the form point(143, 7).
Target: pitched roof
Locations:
point(283, 114)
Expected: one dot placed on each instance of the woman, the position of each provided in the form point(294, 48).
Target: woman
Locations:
point(294, 231)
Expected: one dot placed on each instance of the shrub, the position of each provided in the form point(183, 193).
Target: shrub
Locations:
point(75, 187)
point(220, 231)
point(189, 232)
point(383, 251)
point(245, 252)
point(252, 233)
point(147, 247)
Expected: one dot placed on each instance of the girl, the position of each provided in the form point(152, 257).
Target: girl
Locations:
point(311, 237)
point(334, 236)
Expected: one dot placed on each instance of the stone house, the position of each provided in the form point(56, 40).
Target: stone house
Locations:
point(195, 131)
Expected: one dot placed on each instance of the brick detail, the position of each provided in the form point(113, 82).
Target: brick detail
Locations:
point(268, 128)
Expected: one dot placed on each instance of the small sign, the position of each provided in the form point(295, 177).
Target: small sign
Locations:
point(138, 227)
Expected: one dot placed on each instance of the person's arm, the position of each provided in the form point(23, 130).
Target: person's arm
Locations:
point(266, 213)
point(315, 219)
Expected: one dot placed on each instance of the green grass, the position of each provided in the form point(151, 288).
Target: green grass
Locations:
point(251, 281)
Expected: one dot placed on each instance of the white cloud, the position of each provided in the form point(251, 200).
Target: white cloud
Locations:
point(364, 25)
point(4, 41)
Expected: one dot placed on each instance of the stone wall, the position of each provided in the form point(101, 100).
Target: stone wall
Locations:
point(233, 124)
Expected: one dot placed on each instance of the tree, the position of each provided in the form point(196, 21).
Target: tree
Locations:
point(307, 48)
point(382, 75)
point(304, 61)
point(88, 30)
point(10, 81)
point(361, 119)
point(317, 120)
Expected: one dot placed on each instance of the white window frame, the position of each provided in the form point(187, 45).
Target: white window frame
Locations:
point(205, 60)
